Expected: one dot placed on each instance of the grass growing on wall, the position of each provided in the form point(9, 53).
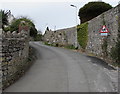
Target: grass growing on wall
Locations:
point(115, 51)
point(70, 47)
point(82, 34)
point(104, 47)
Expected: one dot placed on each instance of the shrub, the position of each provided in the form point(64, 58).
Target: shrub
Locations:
point(15, 26)
point(4, 18)
point(70, 47)
point(38, 37)
point(6, 29)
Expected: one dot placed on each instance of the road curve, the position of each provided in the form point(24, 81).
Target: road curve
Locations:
point(62, 70)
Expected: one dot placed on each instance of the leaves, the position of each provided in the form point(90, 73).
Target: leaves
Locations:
point(82, 34)
point(15, 25)
point(92, 9)
point(4, 17)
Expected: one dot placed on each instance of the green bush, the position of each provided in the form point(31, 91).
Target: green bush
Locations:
point(4, 18)
point(38, 37)
point(6, 29)
point(15, 26)
point(82, 34)
point(70, 47)
point(92, 9)
point(47, 43)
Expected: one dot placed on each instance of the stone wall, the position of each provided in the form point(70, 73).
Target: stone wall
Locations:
point(62, 37)
point(97, 44)
point(0, 62)
point(14, 49)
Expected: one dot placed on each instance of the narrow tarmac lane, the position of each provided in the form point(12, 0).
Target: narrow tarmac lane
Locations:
point(63, 70)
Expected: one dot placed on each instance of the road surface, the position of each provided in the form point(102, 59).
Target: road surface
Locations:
point(63, 70)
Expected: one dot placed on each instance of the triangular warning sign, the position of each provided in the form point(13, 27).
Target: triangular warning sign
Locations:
point(104, 29)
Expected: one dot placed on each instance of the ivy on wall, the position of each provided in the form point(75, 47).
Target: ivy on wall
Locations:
point(115, 51)
point(82, 34)
point(104, 47)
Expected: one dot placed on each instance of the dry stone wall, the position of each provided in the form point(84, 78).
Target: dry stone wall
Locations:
point(97, 44)
point(100, 46)
point(62, 37)
point(14, 50)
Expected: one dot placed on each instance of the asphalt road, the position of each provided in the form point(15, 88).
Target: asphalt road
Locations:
point(63, 70)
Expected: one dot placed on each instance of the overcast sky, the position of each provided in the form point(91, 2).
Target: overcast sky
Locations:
point(56, 14)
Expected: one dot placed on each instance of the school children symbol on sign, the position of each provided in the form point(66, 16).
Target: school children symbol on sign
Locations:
point(104, 31)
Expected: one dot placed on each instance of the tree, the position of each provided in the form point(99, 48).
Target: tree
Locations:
point(92, 9)
point(47, 28)
point(15, 25)
point(4, 18)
